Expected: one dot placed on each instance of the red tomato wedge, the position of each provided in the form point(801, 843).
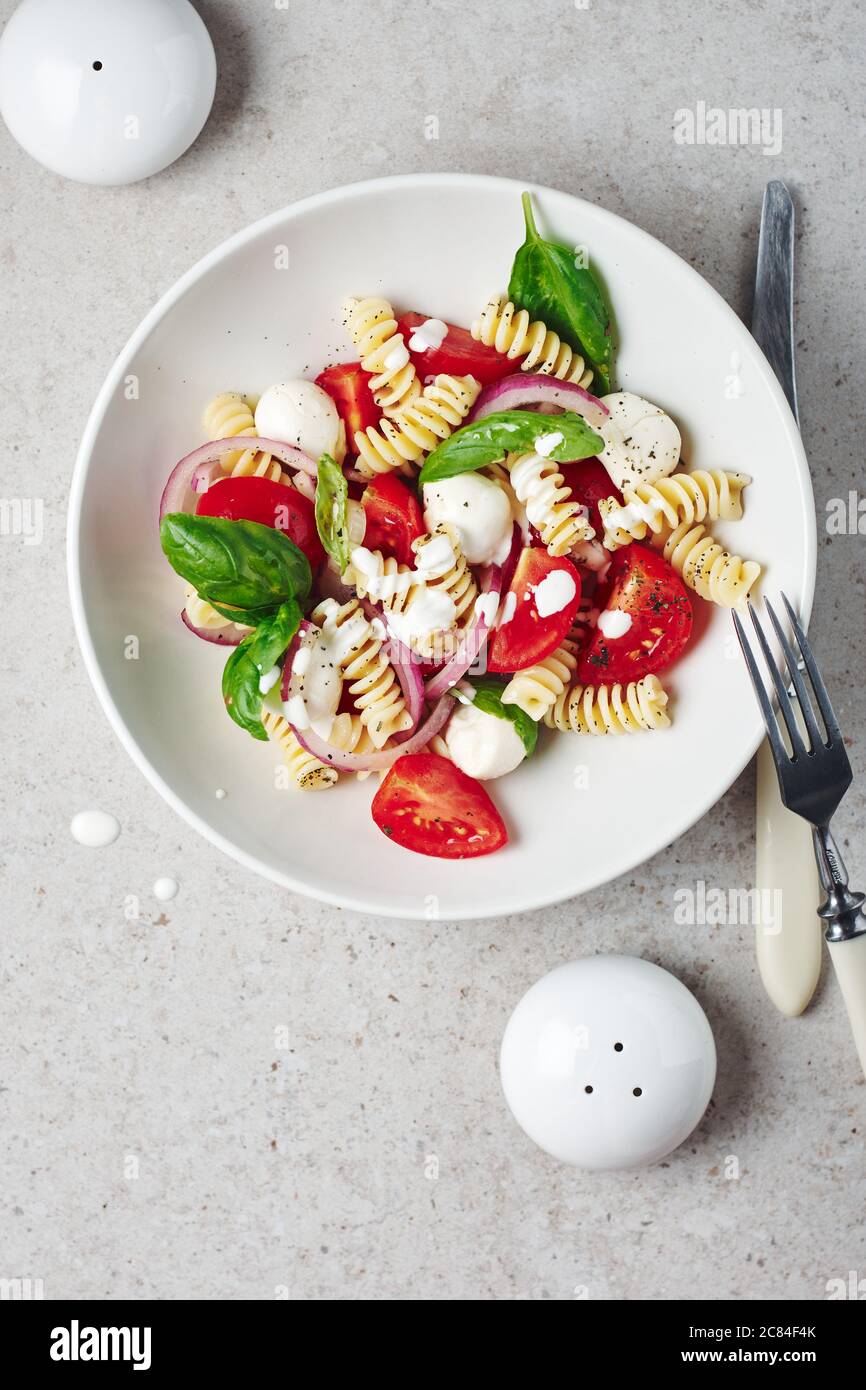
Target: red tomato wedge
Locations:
point(544, 607)
point(348, 385)
point(458, 355)
point(271, 504)
point(428, 805)
point(589, 481)
point(394, 518)
point(649, 591)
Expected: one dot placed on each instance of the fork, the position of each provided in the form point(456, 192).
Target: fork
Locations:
point(812, 782)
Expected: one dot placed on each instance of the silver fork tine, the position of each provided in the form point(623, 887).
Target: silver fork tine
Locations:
point(834, 733)
point(815, 735)
point(780, 752)
point(797, 744)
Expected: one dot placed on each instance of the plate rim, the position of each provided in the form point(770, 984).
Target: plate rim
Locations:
point(157, 312)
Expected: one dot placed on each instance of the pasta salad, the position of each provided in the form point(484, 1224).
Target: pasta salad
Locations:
point(429, 554)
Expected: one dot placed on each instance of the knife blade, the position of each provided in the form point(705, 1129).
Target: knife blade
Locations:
point(788, 943)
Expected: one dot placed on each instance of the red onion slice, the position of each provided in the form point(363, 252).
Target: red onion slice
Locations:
point(376, 762)
point(194, 473)
point(329, 583)
point(407, 672)
point(510, 564)
point(229, 636)
point(522, 389)
point(471, 642)
point(412, 685)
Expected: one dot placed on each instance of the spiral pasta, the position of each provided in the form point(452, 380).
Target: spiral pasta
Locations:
point(363, 664)
point(307, 772)
point(539, 486)
point(350, 734)
point(682, 497)
point(229, 415)
point(380, 578)
point(447, 592)
point(446, 568)
point(508, 329)
point(438, 745)
point(610, 709)
point(201, 614)
point(537, 689)
point(414, 432)
point(382, 350)
point(706, 566)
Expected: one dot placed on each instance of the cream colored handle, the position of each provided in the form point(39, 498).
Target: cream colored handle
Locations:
point(849, 962)
point(788, 933)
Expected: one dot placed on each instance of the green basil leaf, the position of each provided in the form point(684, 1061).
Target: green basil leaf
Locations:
point(238, 564)
point(244, 617)
point(271, 639)
point(257, 654)
point(488, 697)
point(332, 492)
point(509, 431)
point(549, 285)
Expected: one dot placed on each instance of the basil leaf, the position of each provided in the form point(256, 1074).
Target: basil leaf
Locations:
point(488, 697)
point(332, 492)
point(238, 564)
point(257, 654)
point(271, 639)
point(509, 431)
point(546, 282)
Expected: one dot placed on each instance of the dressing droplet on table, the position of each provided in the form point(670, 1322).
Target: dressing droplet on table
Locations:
point(95, 829)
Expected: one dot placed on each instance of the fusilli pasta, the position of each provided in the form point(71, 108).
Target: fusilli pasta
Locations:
point(668, 502)
point(610, 709)
point(539, 485)
point(706, 566)
point(445, 575)
point(537, 689)
point(350, 734)
point(382, 350)
point(307, 772)
point(438, 745)
point(229, 415)
point(380, 578)
point(508, 329)
point(201, 614)
point(410, 436)
point(363, 664)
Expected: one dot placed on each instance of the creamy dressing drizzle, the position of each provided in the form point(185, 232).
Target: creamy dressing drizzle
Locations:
point(95, 829)
point(546, 443)
point(613, 623)
point(428, 335)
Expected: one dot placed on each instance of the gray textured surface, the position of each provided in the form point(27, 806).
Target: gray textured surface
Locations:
point(263, 1168)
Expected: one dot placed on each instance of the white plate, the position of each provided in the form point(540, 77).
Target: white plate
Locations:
point(583, 810)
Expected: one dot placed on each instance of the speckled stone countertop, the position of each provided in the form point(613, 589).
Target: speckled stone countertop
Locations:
point(158, 1137)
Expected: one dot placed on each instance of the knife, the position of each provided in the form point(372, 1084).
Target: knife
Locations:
point(788, 934)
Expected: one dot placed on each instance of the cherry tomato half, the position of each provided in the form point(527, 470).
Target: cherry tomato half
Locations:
point(643, 586)
point(458, 355)
point(589, 481)
point(394, 518)
point(544, 597)
point(348, 385)
point(428, 805)
point(269, 503)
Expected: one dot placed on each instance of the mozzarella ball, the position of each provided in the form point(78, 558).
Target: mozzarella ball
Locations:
point(300, 413)
point(483, 745)
point(641, 442)
point(478, 509)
